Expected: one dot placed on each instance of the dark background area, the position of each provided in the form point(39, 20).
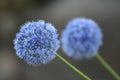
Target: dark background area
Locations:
point(14, 13)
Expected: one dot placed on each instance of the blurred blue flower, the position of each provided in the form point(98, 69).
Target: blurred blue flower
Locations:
point(81, 38)
point(36, 42)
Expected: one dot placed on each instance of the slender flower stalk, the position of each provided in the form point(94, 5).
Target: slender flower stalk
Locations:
point(73, 67)
point(107, 66)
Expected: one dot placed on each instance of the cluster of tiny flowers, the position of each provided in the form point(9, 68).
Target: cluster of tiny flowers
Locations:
point(81, 38)
point(36, 42)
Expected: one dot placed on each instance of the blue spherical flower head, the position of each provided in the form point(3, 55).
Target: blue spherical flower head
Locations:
point(81, 38)
point(36, 42)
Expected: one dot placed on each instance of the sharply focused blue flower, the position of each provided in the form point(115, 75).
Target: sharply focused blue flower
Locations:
point(81, 38)
point(36, 42)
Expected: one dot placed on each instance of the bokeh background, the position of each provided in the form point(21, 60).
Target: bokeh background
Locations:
point(14, 13)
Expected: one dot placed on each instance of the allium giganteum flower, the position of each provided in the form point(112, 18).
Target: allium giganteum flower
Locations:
point(81, 38)
point(36, 42)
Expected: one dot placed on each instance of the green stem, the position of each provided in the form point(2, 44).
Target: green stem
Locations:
point(73, 67)
point(107, 66)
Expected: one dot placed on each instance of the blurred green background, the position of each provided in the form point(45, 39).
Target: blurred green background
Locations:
point(14, 13)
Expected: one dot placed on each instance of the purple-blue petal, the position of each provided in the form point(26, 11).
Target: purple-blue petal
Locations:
point(81, 38)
